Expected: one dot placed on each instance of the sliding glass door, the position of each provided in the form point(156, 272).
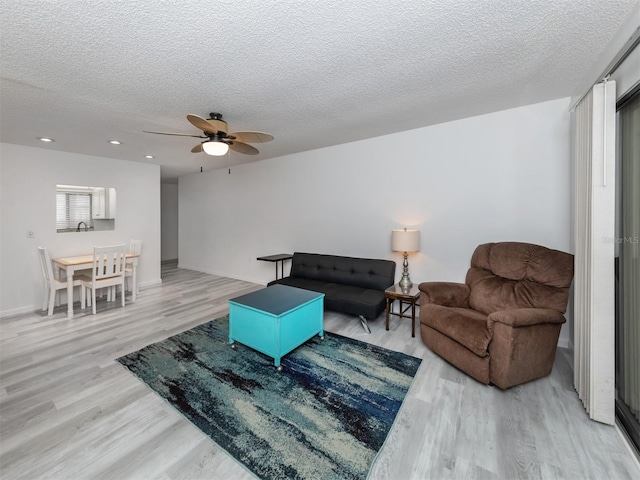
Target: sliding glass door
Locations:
point(628, 270)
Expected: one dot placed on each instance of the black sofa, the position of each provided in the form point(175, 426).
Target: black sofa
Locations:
point(351, 285)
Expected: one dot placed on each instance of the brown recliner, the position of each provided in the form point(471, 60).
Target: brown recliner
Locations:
point(502, 325)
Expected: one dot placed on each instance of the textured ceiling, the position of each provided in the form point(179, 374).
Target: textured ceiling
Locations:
point(311, 73)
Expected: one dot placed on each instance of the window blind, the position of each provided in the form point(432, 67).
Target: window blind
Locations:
point(72, 208)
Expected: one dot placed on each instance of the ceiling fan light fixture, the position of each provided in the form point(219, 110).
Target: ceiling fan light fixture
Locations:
point(215, 148)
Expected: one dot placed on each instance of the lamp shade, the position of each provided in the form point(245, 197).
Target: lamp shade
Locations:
point(215, 148)
point(405, 240)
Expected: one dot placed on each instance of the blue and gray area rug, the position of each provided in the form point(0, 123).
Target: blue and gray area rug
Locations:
point(325, 416)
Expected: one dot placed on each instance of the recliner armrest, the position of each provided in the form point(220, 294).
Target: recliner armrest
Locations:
point(524, 317)
point(447, 294)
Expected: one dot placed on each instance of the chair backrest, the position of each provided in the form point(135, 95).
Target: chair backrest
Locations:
point(135, 247)
point(45, 265)
point(519, 275)
point(109, 261)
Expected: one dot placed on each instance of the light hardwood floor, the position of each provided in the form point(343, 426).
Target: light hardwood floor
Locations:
point(68, 411)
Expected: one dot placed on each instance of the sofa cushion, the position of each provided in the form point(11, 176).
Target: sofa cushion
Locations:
point(494, 293)
point(343, 298)
point(355, 300)
point(465, 326)
point(519, 275)
point(456, 354)
point(525, 261)
point(307, 284)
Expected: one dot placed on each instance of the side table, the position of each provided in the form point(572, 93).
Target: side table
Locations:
point(410, 297)
point(280, 257)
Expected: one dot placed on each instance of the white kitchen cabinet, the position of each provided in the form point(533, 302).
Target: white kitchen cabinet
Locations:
point(104, 203)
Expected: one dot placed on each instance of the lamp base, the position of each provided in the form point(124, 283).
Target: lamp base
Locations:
point(405, 281)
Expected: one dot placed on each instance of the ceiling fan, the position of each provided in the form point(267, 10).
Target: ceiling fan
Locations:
point(218, 140)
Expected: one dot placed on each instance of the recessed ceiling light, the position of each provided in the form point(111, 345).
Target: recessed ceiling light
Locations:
point(45, 139)
point(149, 156)
point(115, 142)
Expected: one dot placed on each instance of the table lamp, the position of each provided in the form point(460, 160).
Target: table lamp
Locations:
point(405, 241)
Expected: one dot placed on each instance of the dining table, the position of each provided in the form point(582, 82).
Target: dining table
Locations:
point(73, 264)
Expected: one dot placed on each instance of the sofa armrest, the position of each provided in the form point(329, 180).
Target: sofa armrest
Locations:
point(447, 294)
point(524, 317)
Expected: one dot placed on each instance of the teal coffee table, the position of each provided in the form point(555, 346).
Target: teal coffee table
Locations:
point(276, 319)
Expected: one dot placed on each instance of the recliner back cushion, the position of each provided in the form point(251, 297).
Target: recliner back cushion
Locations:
point(360, 272)
point(519, 275)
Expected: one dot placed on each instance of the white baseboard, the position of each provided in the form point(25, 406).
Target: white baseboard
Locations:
point(33, 308)
point(17, 311)
point(258, 281)
point(149, 283)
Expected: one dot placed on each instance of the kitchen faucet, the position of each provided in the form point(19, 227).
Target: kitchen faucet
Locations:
point(86, 228)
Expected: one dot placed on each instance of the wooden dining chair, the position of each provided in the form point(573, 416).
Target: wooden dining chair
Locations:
point(52, 283)
point(135, 247)
point(107, 271)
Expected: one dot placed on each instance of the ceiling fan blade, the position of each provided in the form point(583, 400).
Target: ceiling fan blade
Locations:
point(243, 148)
point(201, 123)
point(221, 125)
point(211, 126)
point(176, 134)
point(252, 137)
point(197, 148)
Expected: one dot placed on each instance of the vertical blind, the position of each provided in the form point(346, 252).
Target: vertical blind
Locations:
point(594, 230)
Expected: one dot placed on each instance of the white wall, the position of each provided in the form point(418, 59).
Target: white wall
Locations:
point(169, 221)
point(497, 177)
point(28, 179)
